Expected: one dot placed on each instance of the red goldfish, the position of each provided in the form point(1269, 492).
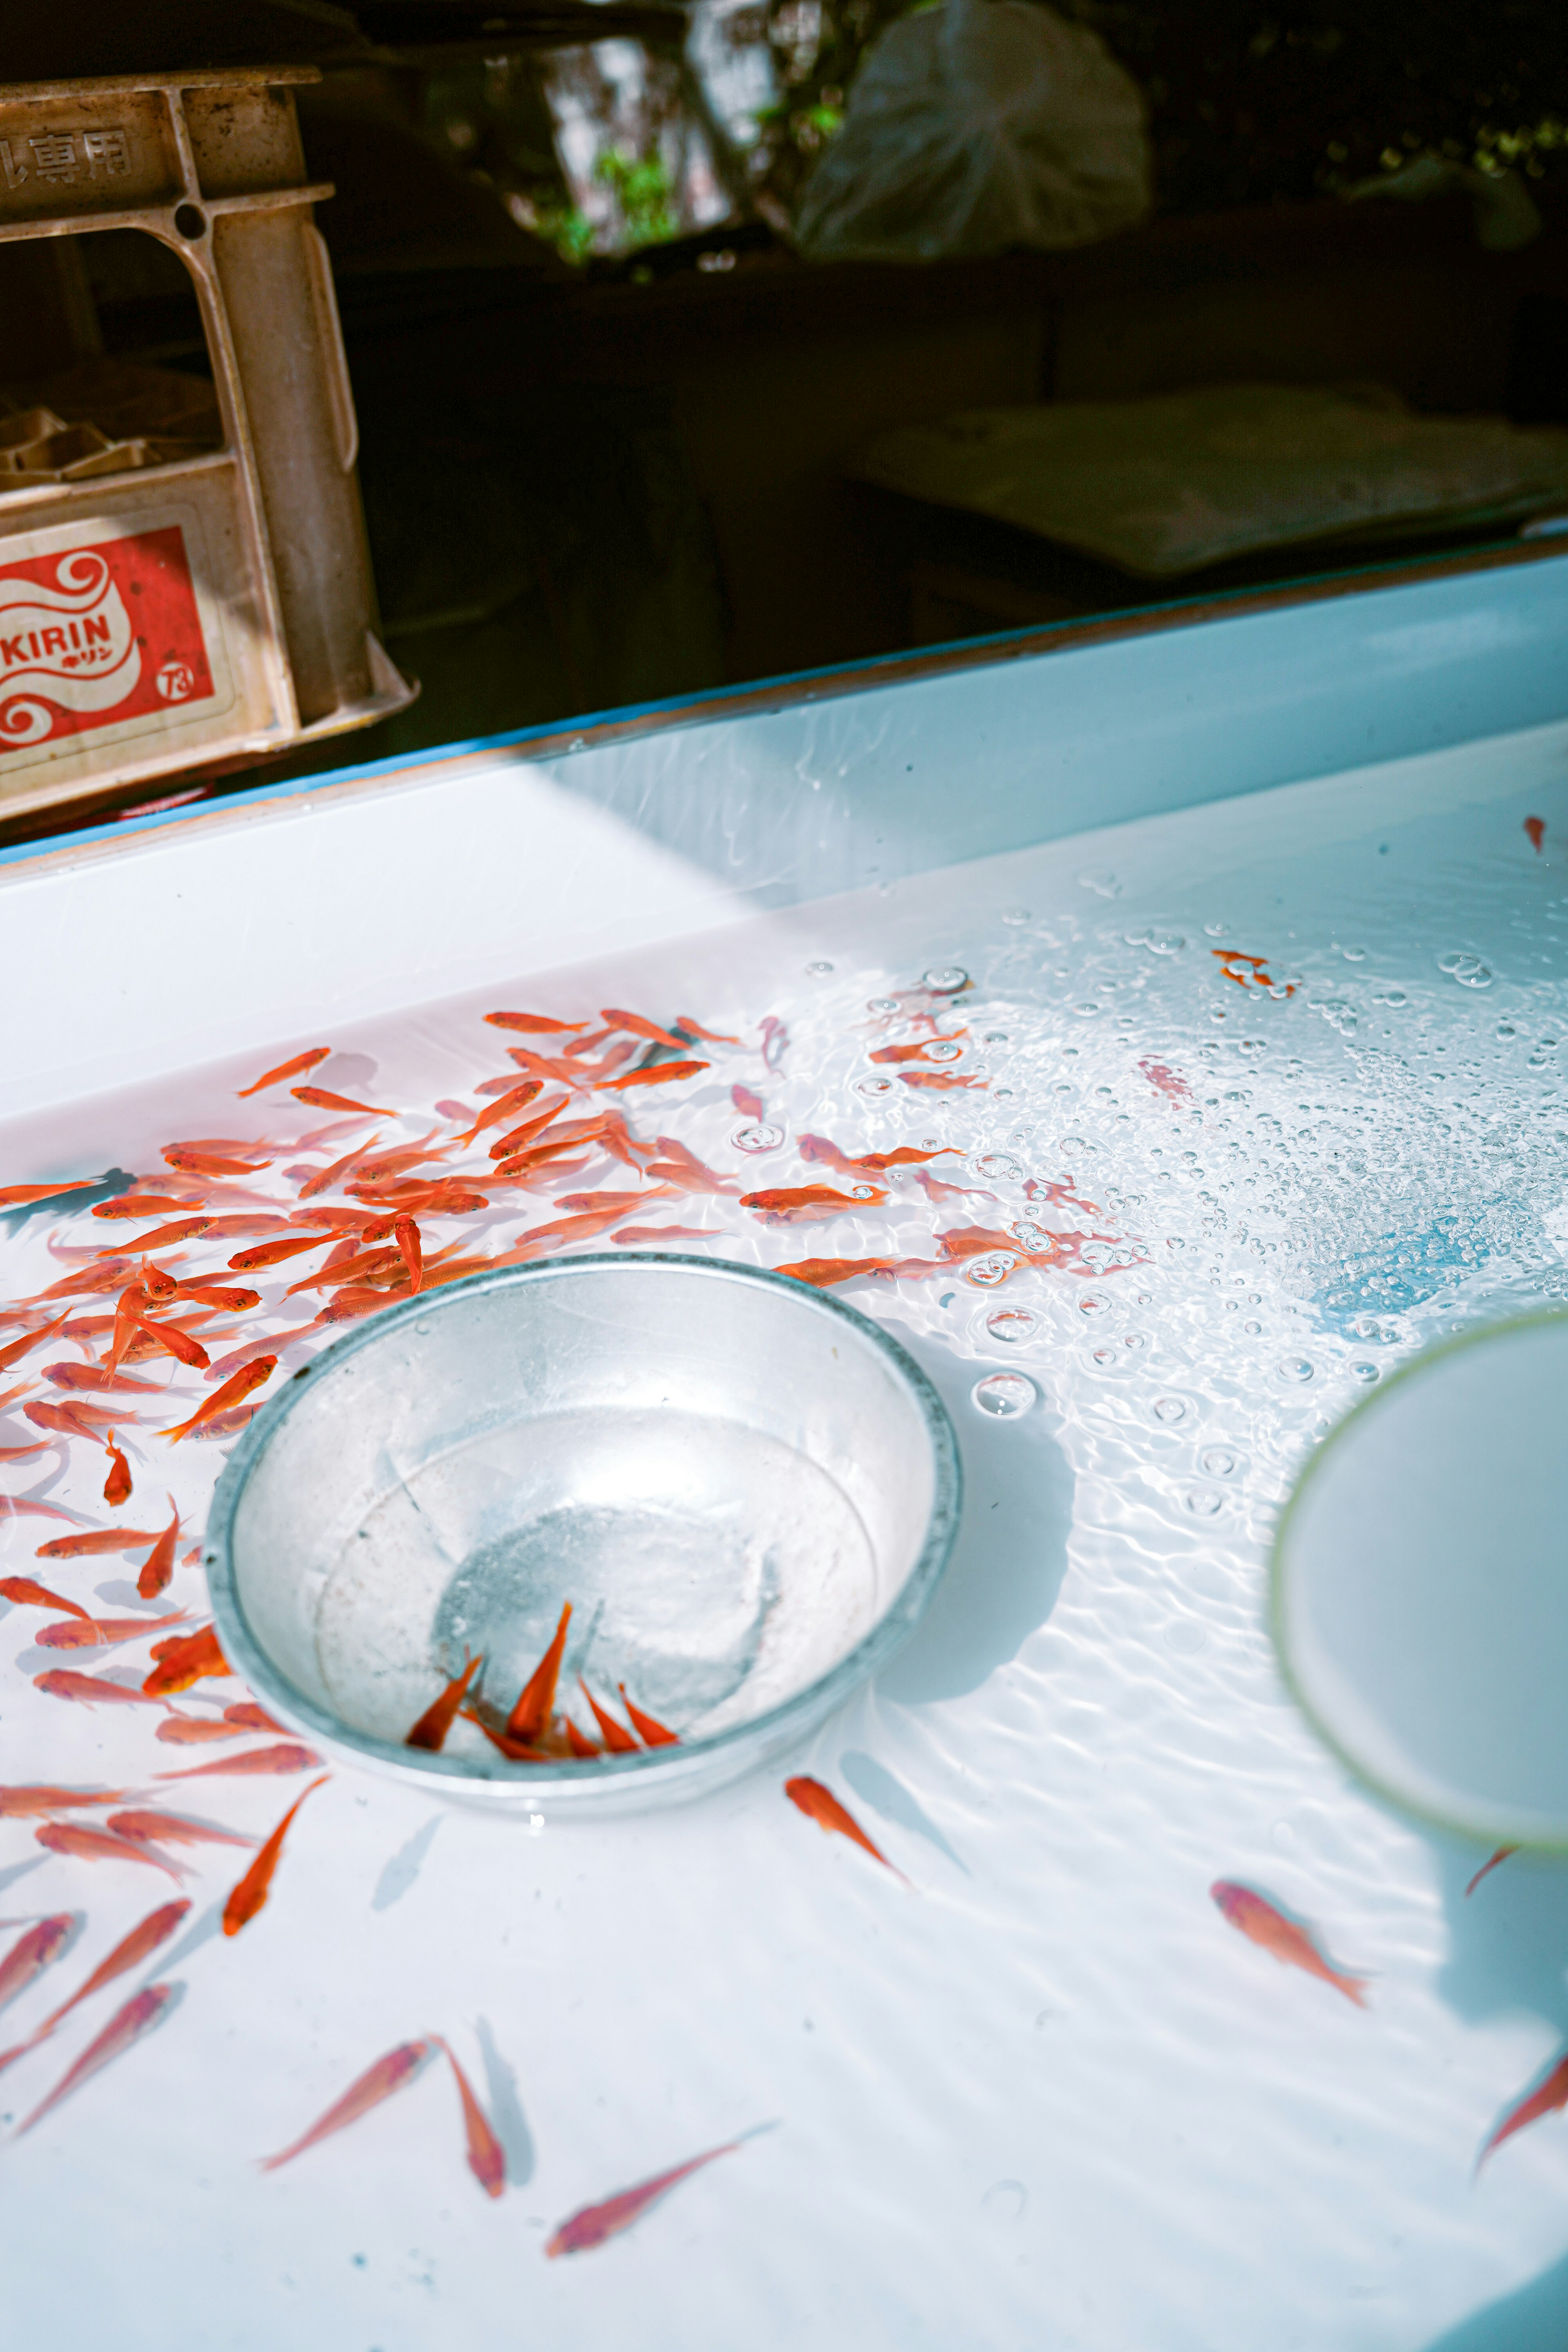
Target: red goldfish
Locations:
point(129, 1953)
point(1535, 826)
point(159, 1565)
point(16, 1196)
point(1263, 1925)
point(184, 1660)
point(820, 1805)
point(233, 1391)
point(138, 2017)
point(591, 2225)
point(433, 1726)
point(32, 1953)
point(517, 1751)
point(1501, 1854)
point(534, 1023)
point(117, 1486)
point(536, 1701)
point(659, 1075)
point(1552, 2095)
point(388, 2074)
point(26, 1595)
point(618, 1739)
point(93, 1541)
point(288, 1756)
point(250, 1895)
point(652, 1733)
point(294, 1069)
point(90, 1690)
point(487, 2157)
point(97, 1846)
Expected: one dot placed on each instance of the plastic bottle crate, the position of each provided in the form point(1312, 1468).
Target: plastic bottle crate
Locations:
point(184, 575)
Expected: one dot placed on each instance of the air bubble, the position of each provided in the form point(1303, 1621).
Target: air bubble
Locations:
point(1170, 1409)
point(881, 1004)
point(1391, 996)
point(1354, 955)
point(942, 1052)
point(996, 1167)
point(757, 1138)
point(873, 1085)
point(1102, 881)
point(1014, 914)
point(1135, 1340)
point(946, 979)
point(1032, 1238)
point(1004, 1395)
point(1094, 1302)
point(1217, 1462)
point(1479, 978)
point(1105, 1356)
point(1365, 1373)
point(818, 971)
point(986, 1272)
point(1086, 1012)
point(1294, 1368)
point(1203, 1502)
point(1013, 1324)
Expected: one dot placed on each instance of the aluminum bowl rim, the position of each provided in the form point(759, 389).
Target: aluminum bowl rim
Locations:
point(567, 1778)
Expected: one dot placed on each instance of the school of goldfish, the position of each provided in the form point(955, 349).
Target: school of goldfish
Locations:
point(380, 1223)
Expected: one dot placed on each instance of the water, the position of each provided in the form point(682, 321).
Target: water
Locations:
point(1248, 1105)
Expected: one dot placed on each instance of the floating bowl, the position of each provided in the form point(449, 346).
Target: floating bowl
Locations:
point(747, 1492)
point(1420, 1596)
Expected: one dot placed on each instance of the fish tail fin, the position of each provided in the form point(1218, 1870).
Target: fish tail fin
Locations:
point(1354, 1988)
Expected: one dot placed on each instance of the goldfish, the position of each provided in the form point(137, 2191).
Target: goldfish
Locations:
point(24, 1452)
point(661, 1074)
point(183, 1229)
point(341, 1270)
point(536, 1700)
point(641, 1028)
point(936, 1192)
point(684, 1172)
point(652, 1733)
point(250, 1896)
point(1258, 1920)
point(1247, 969)
point(942, 1081)
point(18, 1802)
point(246, 1715)
point(159, 1565)
point(149, 1827)
point(580, 1745)
point(243, 1383)
point(129, 1953)
point(775, 1043)
point(555, 1235)
point(288, 1756)
point(25, 1594)
point(20, 1507)
point(248, 1261)
point(809, 1205)
point(514, 1152)
point(534, 1023)
point(655, 1236)
point(206, 1163)
point(435, 1722)
point(78, 1632)
point(591, 2225)
point(90, 1690)
point(140, 1205)
point(919, 1051)
point(98, 1378)
point(1166, 1082)
point(226, 1299)
point(182, 1660)
point(592, 1203)
point(826, 1273)
point(618, 1739)
point(749, 1104)
point(31, 1954)
point(875, 1163)
point(15, 1349)
point(1501, 1854)
point(540, 1066)
point(1552, 2095)
point(89, 1541)
point(138, 2017)
point(515, 1098)
point(487, 2157)
point(686, 1029)
point(1535, 826)
point(16, 1196)
point(323, 1101)
point(389, 2073)
point(325, 1178)
point(406, 1233)
point(177, 1342)
point(518, 1751)
point(85, 1844)
point(183, 1730)
point(294, 1069)
point(820, 1805)
point(72, 1420)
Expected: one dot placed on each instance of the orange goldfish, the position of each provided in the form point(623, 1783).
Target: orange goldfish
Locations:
point(655, 1236)
point(825, 1272)
point(388, 2074)
point(182, 1660)
point(225, 1299)
point(243, 1383)
point(90, 1541)
point(140, 1205)
point(533, 1024)
point(487, 2157)
point(516, 1750)
point(129, 1953)
point(102, 1633)
point(73, 1420)
point(339, 1270)
point(591, 1203)
point(16, 1196)
point(685, 1024)
point(820, 1805)
point(176, 1341)
point(406, 1233)
point(288, 1756)
point(1501, 1854)
point(138, 2017)
point(32, 1953)
point(681, 1169)
point(183, 1229)
point(579, 1744)
point(433, 1726)
point(207, 1163)
point(15, 1349)
point(875, 1163)
point(250, 1895)
point(809, 1205)
point(591, 2225)
point(659, 1075)
point(18, 1802)
point(319, 1100)
point(918, 1052)
point(117, 1486)
point(652, 1733)
point(536, 1701)
point(639, 1027)
point(26, 1595)
point(325, 1178)
point(749, 1104)
point(22, 1507)
point(618, 1739)
point(294, 1069)
point(540, 1066)
point(1263, 1925)
point(515, 1098)
point(159, 1565)
point(90, 1690)
point(248, 1261)
point(183, 1730)
point(1535, 826)
point(149, 1828)
point(1546, 2100)
point(85, 1845)
point(246, 1715)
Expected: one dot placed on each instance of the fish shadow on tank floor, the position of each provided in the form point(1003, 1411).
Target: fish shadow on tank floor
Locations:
point(1010, 1558)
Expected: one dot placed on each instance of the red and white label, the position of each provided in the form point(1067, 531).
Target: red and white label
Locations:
point(96, 635)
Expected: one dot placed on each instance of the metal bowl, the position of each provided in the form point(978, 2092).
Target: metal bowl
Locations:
point(747, 1492)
